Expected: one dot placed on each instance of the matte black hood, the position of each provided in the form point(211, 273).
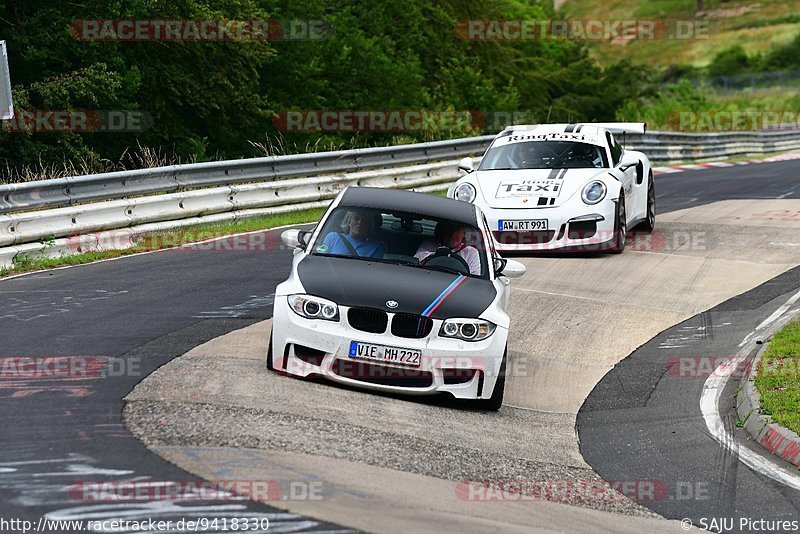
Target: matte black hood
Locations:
point(370, 284)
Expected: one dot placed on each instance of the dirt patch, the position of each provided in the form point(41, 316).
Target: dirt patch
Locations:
point(726, 13)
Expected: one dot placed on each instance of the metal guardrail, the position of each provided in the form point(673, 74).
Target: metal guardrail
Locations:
point(115, 185)
point(30, 226)
point(660, 147)
point(109, 210)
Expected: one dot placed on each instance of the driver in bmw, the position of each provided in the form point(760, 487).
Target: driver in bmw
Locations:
point(450, 235)
point(360, 237)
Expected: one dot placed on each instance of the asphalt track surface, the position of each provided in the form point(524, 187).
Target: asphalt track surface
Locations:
point(643, 420)
point(135, 314)
point(58, 433)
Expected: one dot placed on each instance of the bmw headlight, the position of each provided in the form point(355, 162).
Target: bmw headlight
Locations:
point(464, 192)
point(467, 329)
point(594, 192)
point(314, 307)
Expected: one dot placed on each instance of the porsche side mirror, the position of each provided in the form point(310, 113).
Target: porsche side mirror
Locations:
point(294, 238)
point(509, 268)
point(466, 165)
point(627, 161)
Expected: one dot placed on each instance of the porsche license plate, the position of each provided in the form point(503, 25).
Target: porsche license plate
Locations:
point(381, 353)
point(522, 226)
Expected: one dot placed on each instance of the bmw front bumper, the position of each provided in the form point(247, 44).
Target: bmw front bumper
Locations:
point(313, 347)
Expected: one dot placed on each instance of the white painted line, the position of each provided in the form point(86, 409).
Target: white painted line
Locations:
point(709, 406)
point(780, 311)
point(709, 402)
point(747, 339)
point(771, 319)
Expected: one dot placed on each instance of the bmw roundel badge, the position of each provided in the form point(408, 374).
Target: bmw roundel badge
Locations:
point(392, 304)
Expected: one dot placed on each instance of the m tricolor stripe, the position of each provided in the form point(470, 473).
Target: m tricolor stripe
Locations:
point(443, 295)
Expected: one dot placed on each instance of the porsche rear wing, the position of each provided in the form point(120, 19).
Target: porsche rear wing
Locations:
point(613, 127)
point(622, 127)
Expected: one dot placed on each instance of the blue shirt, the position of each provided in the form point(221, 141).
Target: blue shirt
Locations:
point(369, 248)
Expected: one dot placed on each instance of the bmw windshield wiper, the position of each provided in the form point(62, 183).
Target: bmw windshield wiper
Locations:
point(439, 268)
point(367, 258)
point(404, 262)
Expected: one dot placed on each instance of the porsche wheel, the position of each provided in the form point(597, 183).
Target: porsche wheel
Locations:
point(620, 228)
point(649, 223)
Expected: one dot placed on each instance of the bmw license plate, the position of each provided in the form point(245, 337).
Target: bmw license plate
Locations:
point(381, 353)
point(522, 226)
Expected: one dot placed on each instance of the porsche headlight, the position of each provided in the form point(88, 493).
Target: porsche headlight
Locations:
point(314, 307)
point(594, 192)
point(467, 329)
point(464, 192)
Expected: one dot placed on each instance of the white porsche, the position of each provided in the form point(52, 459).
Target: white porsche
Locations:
point(561, 187)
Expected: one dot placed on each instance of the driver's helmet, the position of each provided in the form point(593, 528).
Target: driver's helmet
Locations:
point(584, 151)
point(530, 153)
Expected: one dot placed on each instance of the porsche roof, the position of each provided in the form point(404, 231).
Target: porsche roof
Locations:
point(398, 200)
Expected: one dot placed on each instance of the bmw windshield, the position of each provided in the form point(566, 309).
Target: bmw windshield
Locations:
point(544, 155)
point(403, 239)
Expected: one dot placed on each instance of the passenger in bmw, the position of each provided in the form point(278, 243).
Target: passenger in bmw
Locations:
point(360, 237)
point(451, 235)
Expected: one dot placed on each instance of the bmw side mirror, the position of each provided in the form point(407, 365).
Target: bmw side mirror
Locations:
point(499, 265)
point(509, 268)
point(294, 238)
point(466, 165)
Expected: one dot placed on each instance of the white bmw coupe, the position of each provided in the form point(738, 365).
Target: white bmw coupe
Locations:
point(398, 292)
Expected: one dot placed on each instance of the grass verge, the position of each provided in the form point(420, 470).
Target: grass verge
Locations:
point(778, 379)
